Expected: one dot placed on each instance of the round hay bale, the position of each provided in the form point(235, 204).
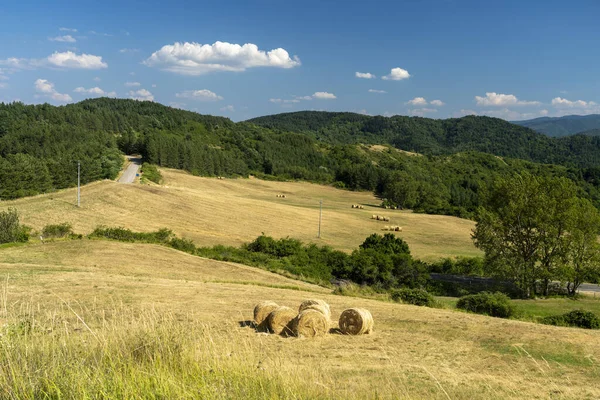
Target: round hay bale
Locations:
point(279, 321)
point(310, 323)
point(262, 310)
point(318, 305)
point(356, 321)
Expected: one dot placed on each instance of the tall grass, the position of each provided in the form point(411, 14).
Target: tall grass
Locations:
point(125, 353)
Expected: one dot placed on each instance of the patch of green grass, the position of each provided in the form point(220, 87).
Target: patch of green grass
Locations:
point(549, 353)
point(531, 310)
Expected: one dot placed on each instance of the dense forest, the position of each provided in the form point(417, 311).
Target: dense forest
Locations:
point(41, 144)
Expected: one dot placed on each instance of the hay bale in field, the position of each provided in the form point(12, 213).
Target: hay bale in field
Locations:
point(262, 310)
point(398, 229)
point(361, 207)
point(318, 305)
point(310, 323)
point(279, 321)
point(387, 219)
point(386, 228)
point(356, 321)
point(374, 216)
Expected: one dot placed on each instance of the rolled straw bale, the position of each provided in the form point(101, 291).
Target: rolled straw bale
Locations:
point(318, 305)
point(374, 216)
point(356, 321)
point(386, 228)
point(262, 310)
point(310, 323)
point(279, 321)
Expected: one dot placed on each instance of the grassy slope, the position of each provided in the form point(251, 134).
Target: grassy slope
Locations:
point(212, 211)
point(143, 301)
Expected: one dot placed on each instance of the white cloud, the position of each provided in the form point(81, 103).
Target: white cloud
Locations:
point(3, 77)
point(97, 79)
point(286, 101)
point(228, 108)
point(132, 84)
point(141, 94)
point(100, 33)
point(129, 50)
point(201, 95)
point(197, 59)
point(303, 97)
point(397, 74)
point(364, 75)
point(376, 91)
point(176, 104)
point(67, 30)
point(560, 102)
point(154, 85)
point(66, 38)
point(47, 89)
point(2, 85)
point(438, 103)
point(324, 95)
point(417, 101)
point(502, 100)
point(463, 112)
point(69, 59)
point(95, 91)
point(566, 107)
point(421, 112)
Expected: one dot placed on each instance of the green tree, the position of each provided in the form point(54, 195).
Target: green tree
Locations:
point(584, 250)
point(522, 227)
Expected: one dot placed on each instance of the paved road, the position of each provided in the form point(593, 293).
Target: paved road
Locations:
point(133, 168)
point(589, 287)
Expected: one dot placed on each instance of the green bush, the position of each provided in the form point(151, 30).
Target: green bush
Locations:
point(183, 245)
point(151, 172)
point(10, 228)
point(125, 235)
point(575, 318)
point(417, 297)
point(492, 304)
point(57, 231)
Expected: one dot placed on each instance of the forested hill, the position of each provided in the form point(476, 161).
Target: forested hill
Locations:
point(563, 126)
point(436, 137)
point(41, 144)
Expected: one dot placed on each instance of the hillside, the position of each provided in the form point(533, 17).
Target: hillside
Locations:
point(41, 145)
point(234, 211)
point(563, 126)
point(121, 319)
point(431, 136)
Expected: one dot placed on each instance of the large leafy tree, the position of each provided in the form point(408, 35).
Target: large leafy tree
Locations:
point(523, 227)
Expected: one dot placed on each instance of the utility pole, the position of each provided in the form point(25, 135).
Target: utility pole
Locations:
point(320, 217)
point(78, 183)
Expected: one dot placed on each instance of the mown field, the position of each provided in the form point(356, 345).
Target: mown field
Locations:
point(101, 319)
point(235, 211)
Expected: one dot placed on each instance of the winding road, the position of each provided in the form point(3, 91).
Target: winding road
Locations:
point(131, 170)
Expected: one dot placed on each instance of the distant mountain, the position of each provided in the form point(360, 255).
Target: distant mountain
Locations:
point(439, 137)
point(563, 126)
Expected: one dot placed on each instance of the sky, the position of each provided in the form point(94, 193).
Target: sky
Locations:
point(241, 59)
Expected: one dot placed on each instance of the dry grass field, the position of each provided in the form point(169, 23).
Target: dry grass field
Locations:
point(235, 211)
point(85, 317)
point(100, 319)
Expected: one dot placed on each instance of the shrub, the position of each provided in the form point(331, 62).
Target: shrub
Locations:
point(492, 304)
point(183, 245)
point(10, 228)
point(151, 172)
point(575, 318)
point(125, 235)
point(417, 297)
point(57, 231)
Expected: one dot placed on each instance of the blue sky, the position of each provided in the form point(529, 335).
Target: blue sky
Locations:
point(241, 59)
